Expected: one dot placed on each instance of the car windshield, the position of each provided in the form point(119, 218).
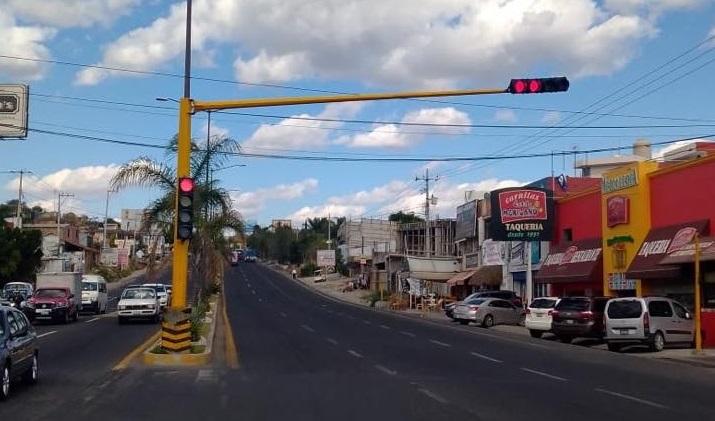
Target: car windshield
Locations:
point(574, 304)
point(625, 309)
point(476, 301)
point(543, 303)
point(138, 294)
point(15, 287)
point(89, 286)
point(50, 293)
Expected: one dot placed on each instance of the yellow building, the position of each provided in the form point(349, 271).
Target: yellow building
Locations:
point(625, 213)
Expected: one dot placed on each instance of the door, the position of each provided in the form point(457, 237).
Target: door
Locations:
point(18, 342)
point(684, 322)
point(662, 319)
point(503, 312)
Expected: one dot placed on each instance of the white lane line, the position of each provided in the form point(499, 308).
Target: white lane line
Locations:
point(92, 320)
point(308, 328)
point(260, 300)
point(631, 398)
point(332, 341)
point(444, 344)
point(385, 370)
point(385, 327)
point(541, 373)
point(46, 334)
point(406, 333)
point(367, 322)
point(484, 357)
point(354, 354)
point(253, 291)
point(249, 285)
point(283, 314)
point(433, 396)
point(323, 305)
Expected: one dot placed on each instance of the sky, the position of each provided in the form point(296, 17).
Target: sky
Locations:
point(635, 66)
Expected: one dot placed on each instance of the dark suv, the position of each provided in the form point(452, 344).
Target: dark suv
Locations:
point(579, 317)
point(18, 349)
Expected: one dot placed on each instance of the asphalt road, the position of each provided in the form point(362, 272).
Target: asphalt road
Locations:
point(76, 363)
point(305, 357)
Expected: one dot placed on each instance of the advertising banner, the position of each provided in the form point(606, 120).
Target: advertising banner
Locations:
point(466, 226)
point(492, 253)
point(522, 214)
point(326, 258)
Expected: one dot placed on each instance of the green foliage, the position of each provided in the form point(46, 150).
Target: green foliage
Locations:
point(111, 274)
point(198, 312)
point(159, 350)
point(308, 269)
point(20, 254)
point(374, 297)
point(404, 218)
point(340, 266)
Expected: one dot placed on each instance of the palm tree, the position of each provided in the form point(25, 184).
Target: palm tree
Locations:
point(213, 213)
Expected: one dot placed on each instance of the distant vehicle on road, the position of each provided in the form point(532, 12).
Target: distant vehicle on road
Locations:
point(67, 280)
point(234, 258)
point(488, 312)
point(54, 304)
point(653, 321)
point(18, 350)
point(16, 294)
point(579, 317)
point(94, 294)
point(161, 292)
point(138, 303)
point(539, 315)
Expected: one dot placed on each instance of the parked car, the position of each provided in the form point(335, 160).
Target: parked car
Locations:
point(319, 276)
point(504, 295)
point(579, 317)
point(94, 294)
point(138, 303)
point(653, 321)
point(54, 304)
point(16, 294)
point(539, 315)
point(18, 350)
point(449, 309)
point(488, 312)
point(161, 293)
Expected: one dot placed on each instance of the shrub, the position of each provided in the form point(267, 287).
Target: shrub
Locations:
point(308, 269)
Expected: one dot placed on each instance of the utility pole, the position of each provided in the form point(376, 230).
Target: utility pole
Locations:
point(330, 246)
point(426, 178)
point(106, 219)
point(60, 196)
point(18, 214)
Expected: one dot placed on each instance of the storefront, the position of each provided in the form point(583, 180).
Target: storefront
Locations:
point(478, 279)
point(574, 269)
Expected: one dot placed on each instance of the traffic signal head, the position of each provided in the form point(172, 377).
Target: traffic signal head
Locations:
point(185, 212)
point(539, 85)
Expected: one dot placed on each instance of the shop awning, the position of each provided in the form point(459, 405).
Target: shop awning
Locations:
point(486, 275)
point(577, 261)
point(460, 278)
point(658, 243)
point(686, 253)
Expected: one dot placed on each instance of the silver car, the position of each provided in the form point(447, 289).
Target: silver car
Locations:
point(653, 321)
point(488, 312)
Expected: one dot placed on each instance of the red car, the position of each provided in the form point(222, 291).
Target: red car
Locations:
point(55, 304)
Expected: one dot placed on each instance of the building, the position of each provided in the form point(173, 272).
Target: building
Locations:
point(596, 167)
point(278, 223)
point(74, 245)
point(132, 219)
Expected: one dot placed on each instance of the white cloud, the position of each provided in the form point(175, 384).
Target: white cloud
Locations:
point(439, 43)
point(252, 203)
point(89, 180)
point(71, 13)
point(385, 136)
point(505, 116)
point(551, 117)
point(23, 41)
point(293, 133)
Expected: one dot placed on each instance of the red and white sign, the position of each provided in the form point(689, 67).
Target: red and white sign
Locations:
point(682, 238)
point(523, 205)
point(617, 210)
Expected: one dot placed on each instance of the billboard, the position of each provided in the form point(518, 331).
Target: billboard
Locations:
point(326, 258)
point(466, 221)
point(13, 111)
point(522, 214)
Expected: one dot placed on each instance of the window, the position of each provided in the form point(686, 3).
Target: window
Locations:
point(476, 301)
point(500, 304)
point(2, 325)
point(627, 309)
point(12, 323)
point(89, 286)
point(568, 234)
point(576, 304)
point(21, 321)
point(51, 293)
point(660, 309)
point(543, 303)
point(680, 311)
point(102, 287)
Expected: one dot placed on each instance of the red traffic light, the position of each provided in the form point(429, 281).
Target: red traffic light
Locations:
point(186, 185)
point(538, 85)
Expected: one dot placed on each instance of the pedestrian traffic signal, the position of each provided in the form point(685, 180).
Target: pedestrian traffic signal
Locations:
point(185, 223)
point(538, 86)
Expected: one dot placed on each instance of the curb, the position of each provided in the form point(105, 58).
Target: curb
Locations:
point(189, 360)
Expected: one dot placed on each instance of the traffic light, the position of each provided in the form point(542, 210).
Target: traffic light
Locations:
point(539, 85)
point(185, 226)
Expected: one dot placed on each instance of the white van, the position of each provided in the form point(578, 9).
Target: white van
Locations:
point(654, 321)
point(94, 294)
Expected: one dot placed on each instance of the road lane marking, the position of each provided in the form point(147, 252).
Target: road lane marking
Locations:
point(332, 341)
point(385, 327)
point(283, 314)
point(433, 396)
point(444, 344)
point(249, 284)
point(631, 398)
point(260, 300)
point(406, 333)
point(323, 305)
point(367, 322)
point(253, 291)
point(46, 334)
point(541, 373)
point(308, 328)
point(124, 362)
point(92, 320)
point(385, 370)
point(482, 356)
point(354, 354)
point(230, 348)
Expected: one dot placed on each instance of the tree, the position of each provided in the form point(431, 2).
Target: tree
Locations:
point(404, 218)
point(20, 254)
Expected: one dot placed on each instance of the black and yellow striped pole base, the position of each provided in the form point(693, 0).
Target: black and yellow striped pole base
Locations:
point(176, 335)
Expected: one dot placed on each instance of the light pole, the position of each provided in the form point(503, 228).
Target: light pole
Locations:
point(106, 219)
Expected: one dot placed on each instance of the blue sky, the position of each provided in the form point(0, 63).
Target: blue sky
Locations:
point(346, 46)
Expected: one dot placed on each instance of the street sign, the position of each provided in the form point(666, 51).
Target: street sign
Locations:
point(326, 258)
point(13, 111)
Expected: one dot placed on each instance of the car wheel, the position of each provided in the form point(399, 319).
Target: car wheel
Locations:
point(5, 383)
point(535, 333)
point(488, 321)
point(33, 374)
point(463, 322)
point(66, 318)
point(566, 339)
point(99, 309)
point(613, 347)
point(75, 317)
point(658, 342)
